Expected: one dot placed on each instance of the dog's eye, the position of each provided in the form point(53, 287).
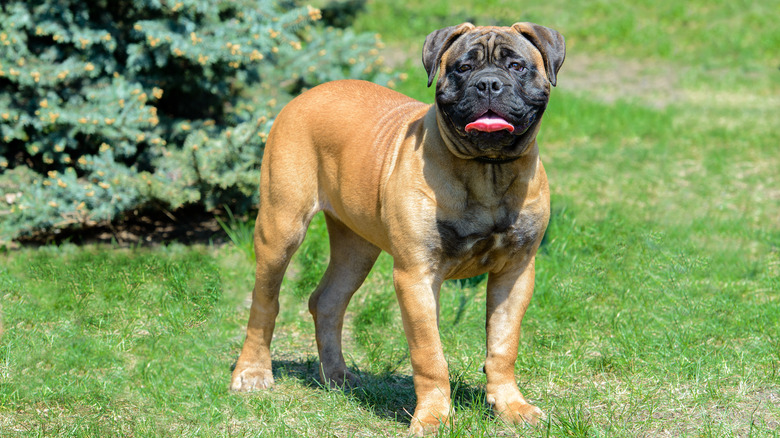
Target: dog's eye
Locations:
point(464, 68)
point(516, 66)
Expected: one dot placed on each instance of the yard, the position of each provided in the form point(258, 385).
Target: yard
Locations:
point(657, 303)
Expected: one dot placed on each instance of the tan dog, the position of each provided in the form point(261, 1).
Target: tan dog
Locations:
point(450, 190)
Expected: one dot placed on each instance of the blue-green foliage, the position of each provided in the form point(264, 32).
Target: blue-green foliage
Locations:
point(108, 106)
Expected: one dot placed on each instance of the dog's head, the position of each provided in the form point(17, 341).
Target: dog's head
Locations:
point(493, 87)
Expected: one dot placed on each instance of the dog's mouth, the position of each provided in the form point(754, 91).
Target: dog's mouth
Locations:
point(492, 122)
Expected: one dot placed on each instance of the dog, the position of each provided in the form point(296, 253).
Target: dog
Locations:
point(450, 190)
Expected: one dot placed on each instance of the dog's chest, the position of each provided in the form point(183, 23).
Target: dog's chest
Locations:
point(482, 239)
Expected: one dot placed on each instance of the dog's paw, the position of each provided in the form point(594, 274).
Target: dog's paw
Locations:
point(427, 420)
point(340, 379)
point(426, 425)
point(251, 379)
point(518, 412)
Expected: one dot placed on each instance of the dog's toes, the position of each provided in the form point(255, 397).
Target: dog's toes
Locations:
point(342, 379)
point(519, 412)
point(351, 380)
point(428, 425)
point(428, 417)
point(418, 429)
point(252, 379)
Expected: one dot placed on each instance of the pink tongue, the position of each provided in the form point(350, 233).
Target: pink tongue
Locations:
point(489, 124)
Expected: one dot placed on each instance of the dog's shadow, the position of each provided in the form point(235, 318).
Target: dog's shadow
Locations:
point(388, 395)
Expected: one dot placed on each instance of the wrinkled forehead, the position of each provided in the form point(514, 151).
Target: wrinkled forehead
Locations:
point(491, 44)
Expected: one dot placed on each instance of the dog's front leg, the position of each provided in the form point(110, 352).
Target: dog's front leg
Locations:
point(418, 295)
point(508, 295)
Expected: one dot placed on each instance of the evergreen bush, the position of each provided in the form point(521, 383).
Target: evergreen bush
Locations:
point(113, 106)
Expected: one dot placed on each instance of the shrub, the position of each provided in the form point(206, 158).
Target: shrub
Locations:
point(109, 107)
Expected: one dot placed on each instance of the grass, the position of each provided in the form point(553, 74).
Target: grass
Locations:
point(657, 304)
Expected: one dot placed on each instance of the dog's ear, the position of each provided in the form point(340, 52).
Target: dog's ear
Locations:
point(549, 42)
point(436, 43)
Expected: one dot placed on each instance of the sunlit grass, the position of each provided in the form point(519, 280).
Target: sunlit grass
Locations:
point(657, 303)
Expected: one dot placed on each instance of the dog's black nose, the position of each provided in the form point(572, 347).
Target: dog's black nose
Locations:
point(489, 85)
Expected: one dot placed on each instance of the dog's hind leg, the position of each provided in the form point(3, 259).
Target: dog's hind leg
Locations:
point(282, 220)
point(351, 259)
point(273, 253)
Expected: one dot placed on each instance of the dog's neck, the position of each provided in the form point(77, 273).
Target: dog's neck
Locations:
point(487, 160)
point(488, 179)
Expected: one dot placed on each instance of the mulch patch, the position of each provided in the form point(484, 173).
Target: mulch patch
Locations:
point(189, 225)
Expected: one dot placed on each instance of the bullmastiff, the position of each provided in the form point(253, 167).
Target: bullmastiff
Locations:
point(449, 190)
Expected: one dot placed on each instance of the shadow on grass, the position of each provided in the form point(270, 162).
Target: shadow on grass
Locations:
point(387, 395)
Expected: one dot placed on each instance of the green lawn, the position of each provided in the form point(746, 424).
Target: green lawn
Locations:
point(657, 304)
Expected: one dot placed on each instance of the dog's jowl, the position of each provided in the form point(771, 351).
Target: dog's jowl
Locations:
point(449, 190)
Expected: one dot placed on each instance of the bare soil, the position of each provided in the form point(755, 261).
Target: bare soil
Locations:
point(189, 225)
